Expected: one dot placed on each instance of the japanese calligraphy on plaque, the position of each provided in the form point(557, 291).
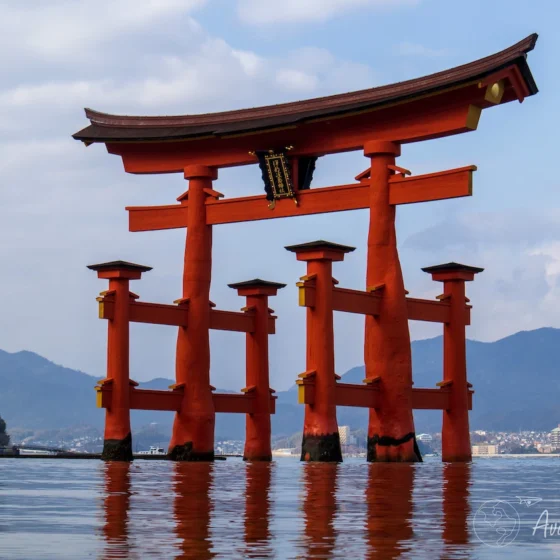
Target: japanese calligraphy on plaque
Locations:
point(276, 173)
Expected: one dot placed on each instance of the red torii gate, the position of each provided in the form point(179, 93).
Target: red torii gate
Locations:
point(378, 121)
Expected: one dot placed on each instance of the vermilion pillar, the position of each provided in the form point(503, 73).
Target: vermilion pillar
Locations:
point(258, 430)
point(117, 444)
point(193, 429)
point(456, 443)
point(321, 441)
point(387, 353)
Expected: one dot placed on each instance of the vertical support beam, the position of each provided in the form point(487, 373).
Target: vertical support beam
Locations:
point(321, 441)
point(456, 444)
point(117, 444)
point(258, 428)
point(193, 429)
point(387, 352)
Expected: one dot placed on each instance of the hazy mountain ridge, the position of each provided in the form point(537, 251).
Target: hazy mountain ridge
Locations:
point(516, 382)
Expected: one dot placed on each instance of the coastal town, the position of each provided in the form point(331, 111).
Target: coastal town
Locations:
point(353, 442)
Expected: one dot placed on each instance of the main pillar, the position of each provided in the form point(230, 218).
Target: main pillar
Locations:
point(321, 441)
point(387, 353)
point(455, 436)
point(258, 428)
point(193, 429)
point(117, 442)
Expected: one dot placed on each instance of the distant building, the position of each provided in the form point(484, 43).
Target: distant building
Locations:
point(425, 438)
point(555, 438)
point(484, 449)
point(344, 433)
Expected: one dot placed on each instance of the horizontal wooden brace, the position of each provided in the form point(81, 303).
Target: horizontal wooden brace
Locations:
point(355, 301)
point(369, 303)
point(422, 188)
point(369, 396)
point(454, 183)
point(350, 394)
point(430, 399)
point(162, 314)
point(237, 322)
point(427, 310)
point(159, 314)
point(149, 399)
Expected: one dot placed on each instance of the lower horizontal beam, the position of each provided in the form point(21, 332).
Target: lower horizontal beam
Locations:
point(150, 399)
point(367, 396)
point(349, 394)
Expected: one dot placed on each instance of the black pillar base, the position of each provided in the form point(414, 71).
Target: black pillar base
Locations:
point(376, 440)
point(117, 449)
point(323, 448)
point(185, 453)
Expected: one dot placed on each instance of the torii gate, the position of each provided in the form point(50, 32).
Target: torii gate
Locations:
point(286, 139)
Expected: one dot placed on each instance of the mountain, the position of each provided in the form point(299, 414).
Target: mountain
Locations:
point(516, 383)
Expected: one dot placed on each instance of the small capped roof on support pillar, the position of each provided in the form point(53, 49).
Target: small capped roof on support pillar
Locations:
point(119, 265)
point(320, 245)
point(257, 283)
point(452, 267)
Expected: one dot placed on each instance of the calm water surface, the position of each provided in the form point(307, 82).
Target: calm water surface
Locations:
point(230, 509)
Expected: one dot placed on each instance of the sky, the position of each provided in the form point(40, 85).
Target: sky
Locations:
point(62, 205)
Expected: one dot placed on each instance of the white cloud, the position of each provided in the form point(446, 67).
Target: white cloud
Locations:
point(415, 49)
point(62, 28)
point(520, 252)
point(62, 205)
point(260, 12)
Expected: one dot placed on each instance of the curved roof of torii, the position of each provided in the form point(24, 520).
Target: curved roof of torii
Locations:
point(119, 128)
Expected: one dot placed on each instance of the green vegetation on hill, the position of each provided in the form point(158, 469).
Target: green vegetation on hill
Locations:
point(4, 437)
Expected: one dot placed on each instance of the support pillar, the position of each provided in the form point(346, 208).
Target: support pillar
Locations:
point(321, 441)
point(193, 429)
point(456, 443)
point(387, 353)
point(258, 426)
point(117, 443)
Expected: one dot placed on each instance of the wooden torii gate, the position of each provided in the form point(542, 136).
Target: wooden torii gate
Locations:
point(285, 140)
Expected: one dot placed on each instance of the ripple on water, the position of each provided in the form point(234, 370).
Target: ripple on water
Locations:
point(285, 509)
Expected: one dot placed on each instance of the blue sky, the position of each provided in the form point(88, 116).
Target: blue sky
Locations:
point(62, 206)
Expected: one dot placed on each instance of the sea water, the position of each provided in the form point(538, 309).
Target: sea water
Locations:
point(492, 508)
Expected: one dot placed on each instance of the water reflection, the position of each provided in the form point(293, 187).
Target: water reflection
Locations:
point(319, 508)
point(257, 510)
point(456, 509)
point(192, 508)
point(116, 506)
point(389, 508)
point(381, 510)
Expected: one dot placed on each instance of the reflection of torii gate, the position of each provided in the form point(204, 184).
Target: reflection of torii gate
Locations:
point(378, 121)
